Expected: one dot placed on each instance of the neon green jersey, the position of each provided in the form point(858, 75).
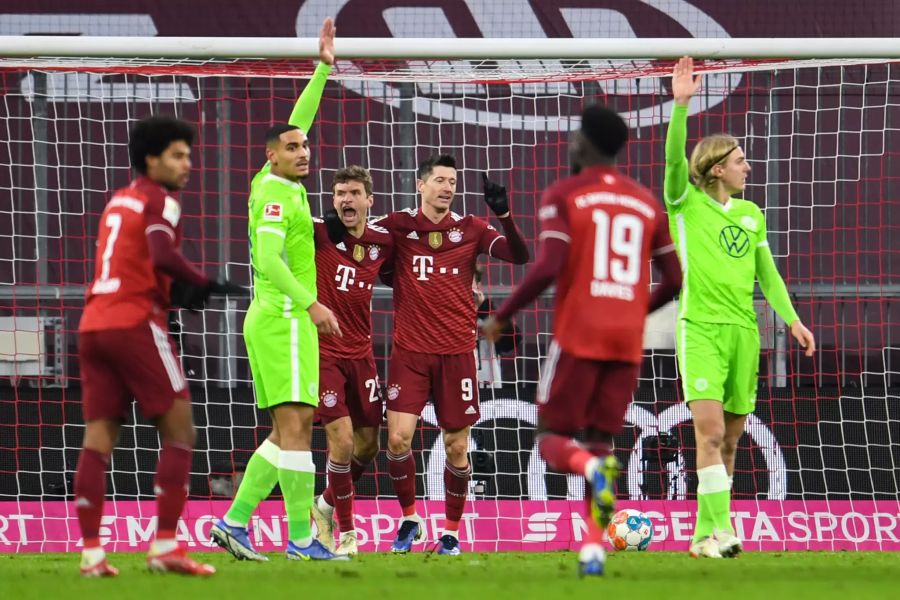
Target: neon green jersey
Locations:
point(723, 248)
point(280, 207)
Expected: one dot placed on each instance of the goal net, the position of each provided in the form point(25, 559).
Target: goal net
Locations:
point(819, 466)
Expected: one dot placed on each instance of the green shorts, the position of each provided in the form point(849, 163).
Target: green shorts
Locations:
point(719, 361)
point(284, 358)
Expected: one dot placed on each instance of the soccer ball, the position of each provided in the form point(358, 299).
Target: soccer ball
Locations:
point(630, 530)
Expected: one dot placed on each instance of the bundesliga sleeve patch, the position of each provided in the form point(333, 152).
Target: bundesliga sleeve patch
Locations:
point(171, 211)
point(548, 212)
point(272, 212)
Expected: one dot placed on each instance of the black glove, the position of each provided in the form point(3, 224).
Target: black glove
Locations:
point(335, 227)
point(187, 296)
point(495, 196)
point(223, 287)
point(193, 298)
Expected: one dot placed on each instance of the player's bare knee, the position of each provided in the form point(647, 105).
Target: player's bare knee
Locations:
point(399, 442)
point(183, 435)
point(101, 436)
point(712, 440)
point(457, 448)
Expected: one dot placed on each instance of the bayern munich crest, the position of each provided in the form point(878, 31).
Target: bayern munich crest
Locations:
point(393, 392)
point(373, 252)
point(329, 398)
point(455, 235)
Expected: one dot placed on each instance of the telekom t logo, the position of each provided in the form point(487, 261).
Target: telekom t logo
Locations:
point(422, 265)
point(345, 275)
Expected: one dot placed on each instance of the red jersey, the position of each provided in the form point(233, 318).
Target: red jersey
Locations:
point(434, 310)
point(126, 289)
point(614, 226)
point(345, 275)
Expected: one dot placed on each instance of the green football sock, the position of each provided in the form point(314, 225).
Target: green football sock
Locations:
point(297, 478)
point(713, 501)
point(704, 525)
point(260, 477)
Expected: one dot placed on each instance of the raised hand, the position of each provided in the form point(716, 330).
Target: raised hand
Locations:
point(684, 83)
point(495, 196)
point(326, 41)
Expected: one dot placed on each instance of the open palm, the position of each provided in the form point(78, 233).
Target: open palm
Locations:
point(684, 83)
point(326, 42)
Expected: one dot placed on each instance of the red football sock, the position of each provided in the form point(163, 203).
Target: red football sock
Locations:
point(456, 487)
point(403, 475)
point(357, 469)
point(340, 483)
point(172, 473)
point(90, 490)
point(563, 454)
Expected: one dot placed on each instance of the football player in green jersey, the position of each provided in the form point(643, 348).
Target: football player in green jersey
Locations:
point(281, 331)
point(721, 241)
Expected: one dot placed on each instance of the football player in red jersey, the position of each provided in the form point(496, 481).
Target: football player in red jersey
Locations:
point(434, 335)
point(124, 349)
point(349, 254)
point(599, 230)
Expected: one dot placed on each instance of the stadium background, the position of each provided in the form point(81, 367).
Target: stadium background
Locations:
point(836, 418)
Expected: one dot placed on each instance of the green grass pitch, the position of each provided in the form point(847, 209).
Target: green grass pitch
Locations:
point(522, 576)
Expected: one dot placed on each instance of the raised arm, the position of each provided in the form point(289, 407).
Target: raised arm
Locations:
point(308, 103)
point(684, 86)
point(510, 246)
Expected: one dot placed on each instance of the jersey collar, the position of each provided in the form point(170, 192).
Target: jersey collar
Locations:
point(273, 177)
point(723, 207)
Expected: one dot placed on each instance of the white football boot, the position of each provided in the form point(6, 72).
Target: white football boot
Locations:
point(729, 544)
point(706, 547)
point(323, 514)
point(348, 544)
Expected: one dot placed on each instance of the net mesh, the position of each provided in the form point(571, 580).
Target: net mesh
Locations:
point(821, 139)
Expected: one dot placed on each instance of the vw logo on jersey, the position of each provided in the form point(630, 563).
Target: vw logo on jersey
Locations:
point(734, 241)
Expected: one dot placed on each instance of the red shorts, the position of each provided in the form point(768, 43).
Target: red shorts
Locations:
point(120, 364)
point(451, 379)
point(579, 393)
point(349, 387)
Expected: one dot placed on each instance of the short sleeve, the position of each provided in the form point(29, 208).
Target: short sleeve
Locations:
point(662, 239)
point(552, 216)
point(487, 235)
point(386, 222)
point(162, 213)
point(320, 234)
